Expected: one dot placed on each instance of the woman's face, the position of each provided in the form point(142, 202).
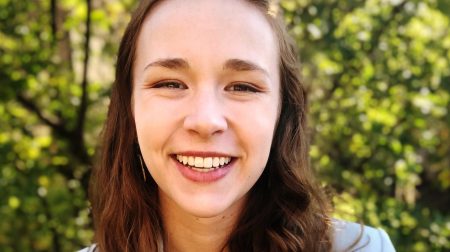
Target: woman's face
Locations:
point(205, 101)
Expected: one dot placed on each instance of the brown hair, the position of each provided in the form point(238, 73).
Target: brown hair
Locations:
point(286, 208)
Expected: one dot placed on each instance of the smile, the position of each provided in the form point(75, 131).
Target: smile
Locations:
point(203, 164)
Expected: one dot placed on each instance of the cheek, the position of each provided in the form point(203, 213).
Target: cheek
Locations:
point(256, 126)
point(152, 124)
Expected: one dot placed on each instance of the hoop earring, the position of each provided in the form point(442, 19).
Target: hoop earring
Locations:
point(142, 168)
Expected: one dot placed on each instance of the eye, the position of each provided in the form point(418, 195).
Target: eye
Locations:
point(170, 85)
point(242, 87)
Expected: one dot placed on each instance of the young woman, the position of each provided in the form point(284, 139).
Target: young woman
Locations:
point(205, 145)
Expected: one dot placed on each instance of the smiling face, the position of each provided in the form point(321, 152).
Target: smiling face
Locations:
point(205, 101)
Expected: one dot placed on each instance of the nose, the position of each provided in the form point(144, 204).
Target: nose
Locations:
point(206, 115)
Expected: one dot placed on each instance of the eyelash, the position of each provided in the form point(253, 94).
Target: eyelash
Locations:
point(170, 85)
point(241, 87)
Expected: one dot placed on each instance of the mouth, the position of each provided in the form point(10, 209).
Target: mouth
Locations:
point(204, 163)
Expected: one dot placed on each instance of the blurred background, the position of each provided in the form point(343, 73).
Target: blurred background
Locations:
point(378, 75)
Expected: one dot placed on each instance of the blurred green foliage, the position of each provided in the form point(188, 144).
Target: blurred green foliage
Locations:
point(378, 75)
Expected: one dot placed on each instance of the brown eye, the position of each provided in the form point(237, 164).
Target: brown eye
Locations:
point(170, 85)
point(243, 87)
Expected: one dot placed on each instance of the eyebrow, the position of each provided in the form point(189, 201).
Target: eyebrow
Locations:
point(231, 64)
point(171, 63)
point(243, 65)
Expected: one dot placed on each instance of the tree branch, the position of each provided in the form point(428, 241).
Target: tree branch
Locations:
point(84, 97)
point(58, 127)
point(56, 244)
point(53, 19)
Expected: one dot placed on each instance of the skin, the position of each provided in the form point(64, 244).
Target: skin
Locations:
point(205, 101)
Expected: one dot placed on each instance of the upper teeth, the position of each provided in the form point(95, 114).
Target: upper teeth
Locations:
point(203, 162)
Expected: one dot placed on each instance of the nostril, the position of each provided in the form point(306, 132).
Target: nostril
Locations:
point(205, 124)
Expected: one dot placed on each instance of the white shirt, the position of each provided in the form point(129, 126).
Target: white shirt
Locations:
point(370, 239)
point(345, 234)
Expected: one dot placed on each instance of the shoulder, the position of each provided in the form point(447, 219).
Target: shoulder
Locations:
point(347, 236)
point(92, 248)
point(350, 236)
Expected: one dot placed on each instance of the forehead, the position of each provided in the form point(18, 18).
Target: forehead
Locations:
point(234, 28)
point(207, 11)
point(199, 8)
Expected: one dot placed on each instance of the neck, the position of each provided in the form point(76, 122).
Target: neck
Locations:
point(186, 232)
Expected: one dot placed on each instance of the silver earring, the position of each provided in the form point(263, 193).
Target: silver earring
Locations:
point(142, 168)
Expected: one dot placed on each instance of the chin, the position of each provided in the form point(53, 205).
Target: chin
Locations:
point(206, 214)
point(206, 207)
point(207, 210)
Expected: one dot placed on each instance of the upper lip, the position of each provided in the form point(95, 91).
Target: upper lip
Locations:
point(203, 154)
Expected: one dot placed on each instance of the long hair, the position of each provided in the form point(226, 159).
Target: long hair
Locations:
point(286, 208)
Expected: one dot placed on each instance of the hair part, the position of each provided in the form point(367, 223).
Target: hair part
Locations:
point(286, 209)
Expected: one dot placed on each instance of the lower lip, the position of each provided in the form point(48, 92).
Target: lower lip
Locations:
point(204, 177)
